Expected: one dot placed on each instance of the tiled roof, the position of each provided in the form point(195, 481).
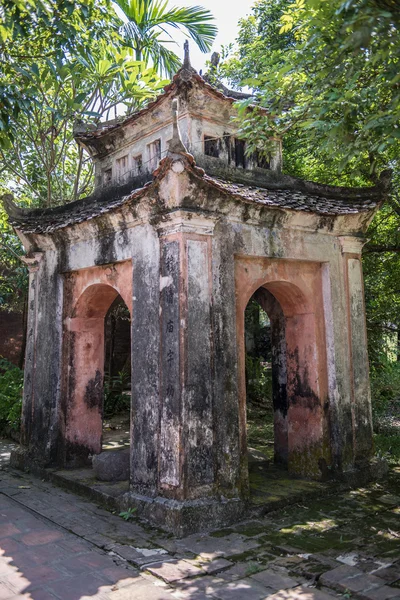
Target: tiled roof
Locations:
point(184, 75)
point(85, 209)
point(318, 202)
point(282, 192)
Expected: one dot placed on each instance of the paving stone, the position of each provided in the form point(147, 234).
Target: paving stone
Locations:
point(8, 529)
point(74, 588)
point(41, 537)
point(274, 580)
point(5, 592)
point(142, 556)
point(243, 589)
point(383, 593)
point(216, 566)
point(350, 579)
point(240, 570)
point(361, 583)
point(336, 576)
point(206, 584)
point(212, 547)
point(40, 594)
point(140, 592)
point(389, 574)
point(174, 570)
point(84, 564)
point(300, 593)
point(120, 576)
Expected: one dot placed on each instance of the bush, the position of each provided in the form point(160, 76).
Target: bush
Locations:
point(116, 399)
point(258, 381)
point(11, 383)
point(385, 392)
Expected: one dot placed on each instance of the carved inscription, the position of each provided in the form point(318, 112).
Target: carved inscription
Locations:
point(170, 416)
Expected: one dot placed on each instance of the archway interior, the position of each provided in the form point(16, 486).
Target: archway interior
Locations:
point(94, 390)
point(266, 381)
point(117, 376)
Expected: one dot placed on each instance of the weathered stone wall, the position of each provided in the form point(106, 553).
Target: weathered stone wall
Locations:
point(200, 114)
point(41, 402)
point(192, 256)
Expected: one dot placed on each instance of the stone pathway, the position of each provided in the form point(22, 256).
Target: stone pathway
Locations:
point(54, 544)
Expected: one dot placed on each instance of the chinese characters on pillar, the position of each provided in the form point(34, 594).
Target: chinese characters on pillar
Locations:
point(170, 388)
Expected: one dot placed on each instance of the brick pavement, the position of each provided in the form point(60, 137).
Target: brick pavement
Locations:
point(54, 544)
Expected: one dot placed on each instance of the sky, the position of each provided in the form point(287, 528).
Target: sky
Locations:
point(227, 14)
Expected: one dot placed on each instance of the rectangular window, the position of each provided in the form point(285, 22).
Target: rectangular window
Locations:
point(137, 164)
point(107, 176)
point(262, 161)
point(240, 158)
point(122, 166)
point(211, 146)
point(154, 154)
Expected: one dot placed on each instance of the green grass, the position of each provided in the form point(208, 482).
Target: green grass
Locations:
point(388, 445)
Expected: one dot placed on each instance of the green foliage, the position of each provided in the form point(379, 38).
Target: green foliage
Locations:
point(13, 274)
point(385, 391)
point(388, 446)
point(328, 73)
point(258, 380)
point(11, 382)
point(61, 61)
point(116, 399)
point(382, 282)
point(260, 427)
point(128, 514)
point(148, 20)
point(38, 150)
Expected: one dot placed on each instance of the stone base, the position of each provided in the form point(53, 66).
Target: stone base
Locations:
point(194, 516)
point(187, 517)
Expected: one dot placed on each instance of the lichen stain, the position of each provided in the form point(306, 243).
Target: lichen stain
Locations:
point(94, 392)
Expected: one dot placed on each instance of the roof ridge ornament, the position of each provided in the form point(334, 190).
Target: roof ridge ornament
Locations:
point(186, 60)
point(175, 144)
point(186, 72)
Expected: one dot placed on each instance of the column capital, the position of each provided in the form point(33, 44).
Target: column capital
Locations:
point(350, 244)
point(182, 221)
point(33, 261)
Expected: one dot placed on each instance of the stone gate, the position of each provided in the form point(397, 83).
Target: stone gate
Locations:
point(186, 230)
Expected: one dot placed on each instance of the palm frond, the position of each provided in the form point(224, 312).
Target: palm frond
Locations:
point(196, 19)
point(147, 17)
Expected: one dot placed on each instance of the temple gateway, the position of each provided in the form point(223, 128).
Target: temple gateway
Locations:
point(184, 228)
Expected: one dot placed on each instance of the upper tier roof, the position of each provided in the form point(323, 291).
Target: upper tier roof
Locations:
point(182, 79)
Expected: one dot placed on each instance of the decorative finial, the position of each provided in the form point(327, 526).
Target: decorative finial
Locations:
point(186, 60)
point(175, 144)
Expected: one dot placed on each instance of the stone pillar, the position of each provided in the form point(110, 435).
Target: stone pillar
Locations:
point(175, 474)
point(187, 457)
point(28, 405)
point(359, 366)
point(145, 408)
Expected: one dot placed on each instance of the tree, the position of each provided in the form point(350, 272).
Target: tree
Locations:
point(148, 20)
point(35, 29)
point(327, 75)
point(333, 77)
point(53, 86)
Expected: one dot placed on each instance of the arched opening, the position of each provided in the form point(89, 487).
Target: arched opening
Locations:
point(98, 378)
point(117, 376)
point(293, 420)
point(266, 380)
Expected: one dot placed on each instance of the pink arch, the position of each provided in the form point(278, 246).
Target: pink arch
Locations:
point(96, 299)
